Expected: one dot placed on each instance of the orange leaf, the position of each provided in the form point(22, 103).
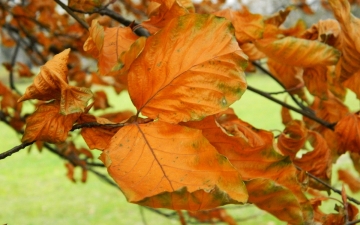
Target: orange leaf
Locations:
point(280, 17)
point(326, 31)
point(206, 81)
point(51, 83)
point(97, 137)
point(348, 133)
point(350, 28)
point(289, 76)
point(100, 100)
point(252, 52)
point(353, 83)
point(298, 52)
point(48, 125)
point(317, 162)
point(162, 12)
point(275, 199)
point(293, 138)
point(251, 151)
point(285, 115)
point(107, 44)
point(24, 70)
point(315, 79)
point(248, 26)
point(170, 166)
point(352, 181)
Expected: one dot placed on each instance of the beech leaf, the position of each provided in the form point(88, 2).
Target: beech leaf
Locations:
point(276, 199)
point(348, 133)
point(298, 52)
point(170, 166)
point(184, 79)
point(48, 125)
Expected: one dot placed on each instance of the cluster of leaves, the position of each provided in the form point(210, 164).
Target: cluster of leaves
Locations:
point(185, 148)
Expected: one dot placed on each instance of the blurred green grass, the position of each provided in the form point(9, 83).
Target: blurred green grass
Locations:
point(34, 188)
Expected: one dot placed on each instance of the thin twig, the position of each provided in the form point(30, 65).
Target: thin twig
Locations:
point(15, 149)
point(328, 186)
point(95, 124)
point(68, 10)
point(302, 112)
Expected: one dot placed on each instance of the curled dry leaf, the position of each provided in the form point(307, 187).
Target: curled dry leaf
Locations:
point(171, 166)
point(318, 162)
point(248, 26)
point(48, 125)
point(52, 83)
point(100, 100)
point(348, 133)
point(353, 83)
point(293, 138)
point(279, 18)
point(298, 52)
point(184, 79)
point(350, 45)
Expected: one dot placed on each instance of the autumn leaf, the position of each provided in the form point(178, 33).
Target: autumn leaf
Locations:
point(315, 79)
point(52, 84)
point(100, 100)
point(276, 199)
point(289, 76)
point(48, 125)
point(285, 115)
point(293, 138)
point(298, 52)
point(170, 166)
point(248, 26)
point(279, 18)
point(349, 179)
point(350, 45)
point(162, 12)
point(348, 133)
point(206, 81)
point(97, 137)
point(353, 83)
point(327, 31)
point(318, 162)
point(24, 70)
point(251, 151)
point(107, 44)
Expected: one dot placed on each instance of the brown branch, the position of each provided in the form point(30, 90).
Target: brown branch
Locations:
point(302, 112)
point(15, 149)
point(353, 222)
point(328, 186)
point(95, 124)
point(71, 12)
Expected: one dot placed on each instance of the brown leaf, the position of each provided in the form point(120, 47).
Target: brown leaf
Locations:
point(315, 79)
point(97, 137)
point(318, 162)
point(285, 115)
point(348, 133)
point(100, 100)
point(48, 125)
point(293, 138)
point(162, 13)
point(350, 46)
